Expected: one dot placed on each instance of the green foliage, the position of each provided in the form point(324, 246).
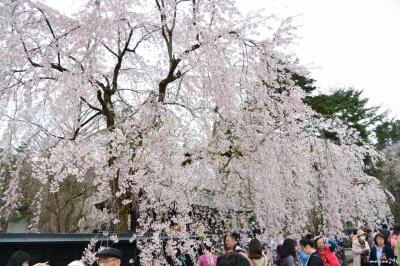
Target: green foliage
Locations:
point(387, 133)
point(395, 208)
point(350, 107)
point(330, 135)
point(373, 126)
point(305, 83)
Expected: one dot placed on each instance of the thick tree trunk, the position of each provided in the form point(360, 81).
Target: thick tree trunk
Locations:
point(122, 211)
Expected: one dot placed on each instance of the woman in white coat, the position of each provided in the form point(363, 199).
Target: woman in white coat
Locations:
point(360, 250)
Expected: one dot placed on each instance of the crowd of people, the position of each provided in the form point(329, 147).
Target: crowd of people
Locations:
point(306, 252)
point(378, 248)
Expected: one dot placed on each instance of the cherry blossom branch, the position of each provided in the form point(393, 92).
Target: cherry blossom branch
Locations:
point(91, 106)
point(84, 124)
point(44, 130)
point(52, 33)
point(182, 105)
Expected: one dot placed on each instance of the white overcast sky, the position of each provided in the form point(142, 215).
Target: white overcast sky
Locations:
point(344, 43)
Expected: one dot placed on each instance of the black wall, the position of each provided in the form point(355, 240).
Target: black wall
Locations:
point(59, 250)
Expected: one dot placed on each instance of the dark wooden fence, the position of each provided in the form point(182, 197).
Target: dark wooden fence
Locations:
point(60, 249)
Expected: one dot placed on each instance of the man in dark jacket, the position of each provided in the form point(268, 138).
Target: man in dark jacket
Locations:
point(308, 247)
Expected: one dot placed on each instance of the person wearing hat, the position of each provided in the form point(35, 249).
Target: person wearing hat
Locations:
point(109, 257)
point(360, 249)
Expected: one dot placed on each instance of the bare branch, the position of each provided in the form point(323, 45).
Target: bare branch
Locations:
point(67, 33)
point(36, 125)
point(54, 36)
point(183, 106)
point(28, 57)
point(119, 63)
point(91, 106)
point(109, 49)
point(85, 123)
point(47, 22)
point(75, 60)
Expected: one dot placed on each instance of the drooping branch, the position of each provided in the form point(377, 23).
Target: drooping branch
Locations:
point(84, 124)
point(91, 106)
point(34, 64)
point(58, 66)
point(109, 49)
point(174, 62)
point(76, 61)
point(40, 127)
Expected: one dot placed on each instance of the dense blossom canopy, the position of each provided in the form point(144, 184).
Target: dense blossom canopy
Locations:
point(167, 104)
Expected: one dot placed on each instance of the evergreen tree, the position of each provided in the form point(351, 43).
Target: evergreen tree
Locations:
point(387, 133)
point(350, 107)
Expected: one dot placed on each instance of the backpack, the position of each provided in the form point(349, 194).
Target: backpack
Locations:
point(365, 258)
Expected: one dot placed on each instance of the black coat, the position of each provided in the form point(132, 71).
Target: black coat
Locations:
point(390, 259)
point(315, 260)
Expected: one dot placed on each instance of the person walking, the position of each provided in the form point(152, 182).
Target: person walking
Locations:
point(303, 257)
point(381, 254)
point(308, 247)
point(208, 258)
point(360, 249)
point(255, 254)
point(231, 244)
point(288, 253)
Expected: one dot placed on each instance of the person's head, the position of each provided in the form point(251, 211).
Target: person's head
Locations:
point(207, 248)
point(109, 257)
point(384, 226)
point(361, 235)
point(354, 232)
point(288, 248)
point(19, 258)
point(307, 245)
point(230, 241)
point(396, 229)
point(319, 242)
point(232, 259)
point(379, 240)
point(255, 249)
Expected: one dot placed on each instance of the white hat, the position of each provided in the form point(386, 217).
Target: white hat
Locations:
point(76, 263)
point(360, 232)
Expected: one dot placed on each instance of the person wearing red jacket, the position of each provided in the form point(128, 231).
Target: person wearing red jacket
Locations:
point(327, 256)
